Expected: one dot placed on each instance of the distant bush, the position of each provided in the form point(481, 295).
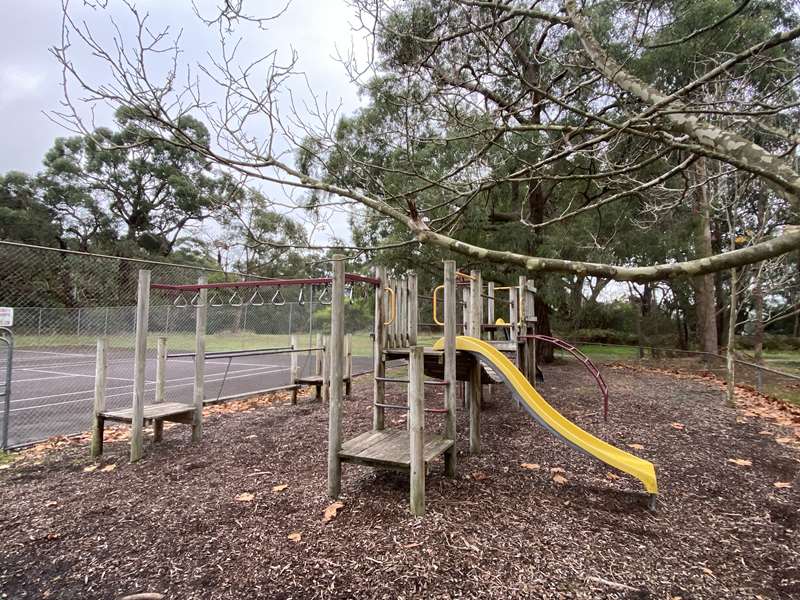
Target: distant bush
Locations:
point(602, 336)
point(776, 343)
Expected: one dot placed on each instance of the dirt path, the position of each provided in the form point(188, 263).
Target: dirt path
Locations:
point(172, 523)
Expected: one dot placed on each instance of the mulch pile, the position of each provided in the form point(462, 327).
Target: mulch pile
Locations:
point(244, 514)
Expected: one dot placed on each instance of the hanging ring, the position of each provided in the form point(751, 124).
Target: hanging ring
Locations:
point(300, 299)
point(195, 301)
point(256, 299)
point(235, 299)
point(278, 299)
point(180, 302)
point(215, 300)
point(325, 296)
point(349, 293)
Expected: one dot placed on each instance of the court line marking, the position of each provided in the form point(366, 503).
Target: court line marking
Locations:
point(51, 352)
point(74, 375)
point(89, 398)
point(130, 385)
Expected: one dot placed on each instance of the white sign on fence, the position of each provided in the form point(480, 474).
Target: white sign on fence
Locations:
point(6, 316)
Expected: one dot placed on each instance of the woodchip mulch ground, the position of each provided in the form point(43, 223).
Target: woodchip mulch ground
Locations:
point(203, 521)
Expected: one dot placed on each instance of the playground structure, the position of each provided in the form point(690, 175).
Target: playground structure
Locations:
point(472, 354)
point(466, 358)
point(159, 411)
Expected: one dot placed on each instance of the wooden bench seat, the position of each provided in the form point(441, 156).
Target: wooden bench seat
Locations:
point(390, 449)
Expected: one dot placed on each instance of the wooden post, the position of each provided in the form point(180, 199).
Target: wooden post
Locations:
point(391, 309)
point(513, 303)
point(450, 391)
point(201, 319)
point(416, 397)
point(530, 330)
point(465, 329)
point(490, 319)
point(326, 368)
point(378, 364)
point(348, 364)
point(161, 366)
point(475, 305)
point(294, 366)
point(402, 313)
point(336, 350)
point(139, 364)
point(100, 373)
point(412, 309)
point(522, 344)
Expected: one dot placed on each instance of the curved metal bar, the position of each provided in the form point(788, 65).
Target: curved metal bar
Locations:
point(180, 301)
point(586, 363)
point(392, 306)
point(256, 299)
point(278, 299)
point(235, 299)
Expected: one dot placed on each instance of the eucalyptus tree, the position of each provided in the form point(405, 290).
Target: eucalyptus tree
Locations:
point(564, 103)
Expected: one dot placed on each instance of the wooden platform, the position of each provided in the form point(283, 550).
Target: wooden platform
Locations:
point(434, 363)
point(165, 411)
point(389, 449)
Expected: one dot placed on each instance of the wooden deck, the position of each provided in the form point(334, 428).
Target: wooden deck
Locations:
point(166, 411)
point(434, 363)
point(389, 449)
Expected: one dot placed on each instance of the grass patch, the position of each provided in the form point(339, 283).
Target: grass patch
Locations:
point(7, 457)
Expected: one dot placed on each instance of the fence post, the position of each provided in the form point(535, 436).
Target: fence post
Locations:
point(79, 323)
point(416, 399)
point(291, 312)
point(201, 321)
point(335, 352)
point(39, 327)
point(105, 322)
point(326, 368)
point(294, 367)
point(161, 368)
point(100, 372)
point(348, 364)
point(140, 363)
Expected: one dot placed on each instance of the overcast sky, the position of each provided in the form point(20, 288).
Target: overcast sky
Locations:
point(30, 76)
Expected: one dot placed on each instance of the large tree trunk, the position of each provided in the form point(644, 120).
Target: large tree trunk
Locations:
point(705, 296)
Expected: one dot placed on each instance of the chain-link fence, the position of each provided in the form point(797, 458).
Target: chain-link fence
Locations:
point(65, 300)
point(763, 378)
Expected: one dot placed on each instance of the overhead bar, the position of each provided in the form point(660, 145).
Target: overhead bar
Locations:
point(349, 277)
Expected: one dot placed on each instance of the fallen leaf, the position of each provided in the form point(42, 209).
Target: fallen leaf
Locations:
point(89, 469)
point(294, 537)
point(412, 545)
point(557, 470)
point(245, 497)
point(108, 468)
point(636, 446)
point(782, 485)
point(329, 514)
point(764, 432)
point(479, 476)
point(612, 476)
point(5, 466)
point(559, 479)
point(678, 426)
point(742, 462)
point(783, 440)
point(51, 503)
point(280, 488)
point(530, 466)
point(707, 571)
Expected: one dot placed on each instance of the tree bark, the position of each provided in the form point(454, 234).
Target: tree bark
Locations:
point(705, 297)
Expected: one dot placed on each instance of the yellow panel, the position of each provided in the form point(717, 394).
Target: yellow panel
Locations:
point(562, 427)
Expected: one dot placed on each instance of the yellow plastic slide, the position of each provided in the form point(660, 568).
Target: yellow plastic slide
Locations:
point(551, 419)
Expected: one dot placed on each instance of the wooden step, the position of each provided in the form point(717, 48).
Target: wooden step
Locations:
point(166, 411)
point(389, 449)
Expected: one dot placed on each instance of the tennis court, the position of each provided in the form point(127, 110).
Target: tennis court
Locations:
point(52, 389)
